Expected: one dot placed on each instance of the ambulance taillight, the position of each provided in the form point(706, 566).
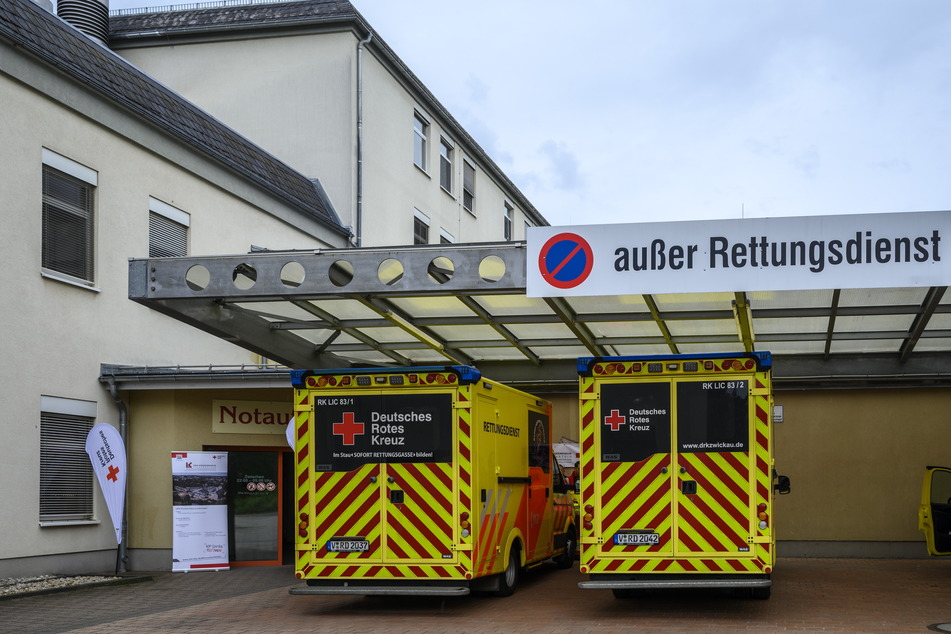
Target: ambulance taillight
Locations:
point(588, 516)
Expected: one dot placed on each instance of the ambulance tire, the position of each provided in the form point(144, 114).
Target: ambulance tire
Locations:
point(760, 593)
point(508, 578)
point(567, 559)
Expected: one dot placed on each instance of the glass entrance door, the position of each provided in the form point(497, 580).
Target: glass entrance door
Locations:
point(255, 507)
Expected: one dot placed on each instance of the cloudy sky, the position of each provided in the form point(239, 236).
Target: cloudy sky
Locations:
point(633, 111)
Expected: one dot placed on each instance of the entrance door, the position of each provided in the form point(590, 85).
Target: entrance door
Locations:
point(257, 501)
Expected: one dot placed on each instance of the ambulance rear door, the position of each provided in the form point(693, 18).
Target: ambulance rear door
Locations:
point(715, 467)
point(934, 513)
point(676, 472)
point(384, 484)
point(634, 470)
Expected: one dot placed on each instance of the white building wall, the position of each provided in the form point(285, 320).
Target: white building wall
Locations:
point(296, 96)
point(55, 335)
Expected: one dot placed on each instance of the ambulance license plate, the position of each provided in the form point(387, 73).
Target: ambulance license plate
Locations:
point(348, 546)
point(639, 538)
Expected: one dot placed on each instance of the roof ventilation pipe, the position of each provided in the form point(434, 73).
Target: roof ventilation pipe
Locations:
point(89, 16)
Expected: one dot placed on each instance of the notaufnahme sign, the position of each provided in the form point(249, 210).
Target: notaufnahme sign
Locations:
point(250, 417)
point(813, 252)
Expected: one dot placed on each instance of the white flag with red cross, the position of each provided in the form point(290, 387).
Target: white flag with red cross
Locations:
point(107, 454)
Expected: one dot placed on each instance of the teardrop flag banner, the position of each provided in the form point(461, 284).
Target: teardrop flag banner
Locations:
point(289, 433)
point(107, 454)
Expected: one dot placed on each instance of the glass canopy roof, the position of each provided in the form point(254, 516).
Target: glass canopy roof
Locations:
point(467, 304)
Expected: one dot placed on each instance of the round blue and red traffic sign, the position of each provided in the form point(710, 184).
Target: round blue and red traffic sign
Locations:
point(566, 260)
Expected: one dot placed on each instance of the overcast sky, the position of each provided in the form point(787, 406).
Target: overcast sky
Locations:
point(633, 111)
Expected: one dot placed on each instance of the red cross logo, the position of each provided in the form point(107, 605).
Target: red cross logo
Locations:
point(113, 473)
point(348, 429)
point(615, 420)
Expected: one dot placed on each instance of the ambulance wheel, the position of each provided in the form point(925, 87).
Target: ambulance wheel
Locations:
point(508, 579)
point(760, 593)
point(567, 559)
point(623, 593)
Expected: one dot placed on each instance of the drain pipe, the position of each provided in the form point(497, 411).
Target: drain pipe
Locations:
point(360, 46)
point(123, 433)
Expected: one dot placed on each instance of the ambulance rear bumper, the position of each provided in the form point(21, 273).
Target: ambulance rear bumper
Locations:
point(676, 581)
point(383, 590)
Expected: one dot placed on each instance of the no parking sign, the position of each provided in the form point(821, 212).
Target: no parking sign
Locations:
point(565, 260)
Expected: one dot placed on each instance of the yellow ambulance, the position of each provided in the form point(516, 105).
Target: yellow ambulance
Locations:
point(677, 473)
point(934, 512)
point(423, 481)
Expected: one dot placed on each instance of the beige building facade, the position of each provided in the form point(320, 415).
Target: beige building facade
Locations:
point(91, 180)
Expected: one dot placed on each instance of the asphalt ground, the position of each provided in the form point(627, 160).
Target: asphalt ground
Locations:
point(808, 595)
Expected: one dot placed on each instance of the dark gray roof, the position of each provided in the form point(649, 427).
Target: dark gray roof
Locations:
point(211, 16)
point(142, 27)
point(49, 39)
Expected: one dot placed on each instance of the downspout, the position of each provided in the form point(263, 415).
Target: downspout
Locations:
point(360, 46)
point(123, 433)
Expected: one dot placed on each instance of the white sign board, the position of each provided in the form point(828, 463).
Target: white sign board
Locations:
point(817, 252)
point(199, 511)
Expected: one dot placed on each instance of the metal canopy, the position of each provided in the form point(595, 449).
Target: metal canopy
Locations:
point(466, 303)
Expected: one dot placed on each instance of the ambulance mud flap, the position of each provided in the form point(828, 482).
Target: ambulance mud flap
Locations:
point(382, 589)
point(704, 581)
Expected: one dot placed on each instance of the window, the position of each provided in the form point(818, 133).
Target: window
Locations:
point(634, 443)
point(445, 165)
point(507, 222)
point(66, 476)
point(468, 187)
point(68, 218)
point(713, 416)
point(168, 230)
point(420, 228)
point(445, 237)
point(420, 131)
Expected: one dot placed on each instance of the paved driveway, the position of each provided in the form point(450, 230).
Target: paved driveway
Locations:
point(832, 595)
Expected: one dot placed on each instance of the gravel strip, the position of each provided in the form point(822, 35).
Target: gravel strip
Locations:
point(20, 586)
